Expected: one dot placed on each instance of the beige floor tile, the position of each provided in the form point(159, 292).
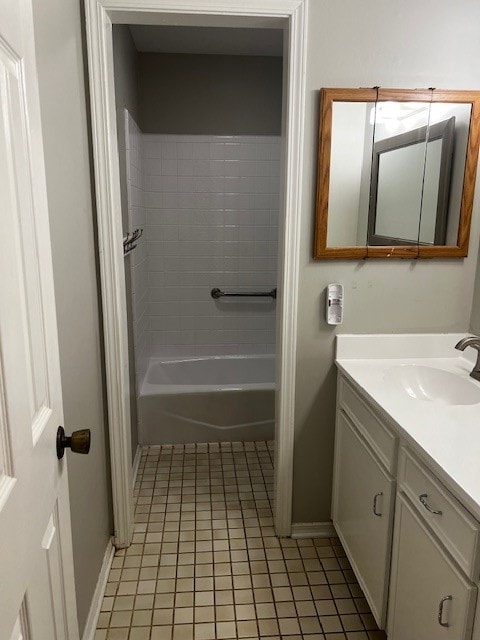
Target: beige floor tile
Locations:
point(127, 588)
point(162, 617)
point(183, 632)
point(347, 605)
point(327, 607)
point(286, 609)
point(103, 620)
point(226, 630)
point(247, 629)
point(123, 603)
point(118, 634)
point(330, 624)
point(289, 626)
point(120, 619)
point(183, 615)
point(142, 618)
point(184, 599)
point(204, 631)
point(161, 633)
point(268, 627)
point(310, 625)
point(245, 612)
point(204, 614)
point(243, 596)
point(205, 563)
point(223, 597)
point(139, 633)
point(224, 613)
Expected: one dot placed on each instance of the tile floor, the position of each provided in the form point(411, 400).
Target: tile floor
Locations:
point(205, 563)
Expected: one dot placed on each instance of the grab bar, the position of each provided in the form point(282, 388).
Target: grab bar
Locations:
point(218, 293)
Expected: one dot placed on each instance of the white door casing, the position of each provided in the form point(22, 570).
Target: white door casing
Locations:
point(291, 15)
point(37, 596)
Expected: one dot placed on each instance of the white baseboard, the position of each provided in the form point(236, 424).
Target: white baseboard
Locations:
point(313, 530)
point(136, 463)
point(92, 619)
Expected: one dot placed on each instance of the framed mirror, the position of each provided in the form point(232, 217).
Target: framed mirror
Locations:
point(396, 173)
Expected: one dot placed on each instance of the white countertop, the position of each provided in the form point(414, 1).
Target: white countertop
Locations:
point(446, 436)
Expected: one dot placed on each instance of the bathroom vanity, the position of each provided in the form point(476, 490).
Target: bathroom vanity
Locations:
point(406, 496)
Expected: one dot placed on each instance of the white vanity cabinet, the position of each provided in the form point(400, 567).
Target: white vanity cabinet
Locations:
point(425, 585)
point(363, 496)
point(429, 596)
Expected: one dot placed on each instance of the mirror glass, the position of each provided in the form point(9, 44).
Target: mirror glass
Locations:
point(394, 171)
point(350, 168)
point(397, 172)
point(444, 166)
point(417, 174)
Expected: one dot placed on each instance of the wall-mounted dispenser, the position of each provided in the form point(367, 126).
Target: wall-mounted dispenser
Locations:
point(334, 306)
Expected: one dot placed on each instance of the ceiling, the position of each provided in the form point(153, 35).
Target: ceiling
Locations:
point(207, 40)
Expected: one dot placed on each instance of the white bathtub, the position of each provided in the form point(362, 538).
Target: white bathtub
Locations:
point(208, 399)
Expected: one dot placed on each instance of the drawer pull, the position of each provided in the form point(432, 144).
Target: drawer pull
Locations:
point(423, 500)
point(440, 611)
point(375, 500)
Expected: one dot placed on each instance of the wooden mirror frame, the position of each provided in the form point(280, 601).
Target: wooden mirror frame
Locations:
point(327, 98)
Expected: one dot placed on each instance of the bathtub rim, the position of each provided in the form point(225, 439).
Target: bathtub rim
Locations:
point(150, 389)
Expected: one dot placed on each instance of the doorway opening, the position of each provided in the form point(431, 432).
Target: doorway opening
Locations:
point(155, 369)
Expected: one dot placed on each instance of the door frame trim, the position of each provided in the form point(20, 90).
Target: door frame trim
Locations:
point(100, 15)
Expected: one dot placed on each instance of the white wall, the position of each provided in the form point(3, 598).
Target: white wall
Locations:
point(409, 44)
point(212, 221)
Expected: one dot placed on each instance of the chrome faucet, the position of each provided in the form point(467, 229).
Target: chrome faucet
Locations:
point(471, 341)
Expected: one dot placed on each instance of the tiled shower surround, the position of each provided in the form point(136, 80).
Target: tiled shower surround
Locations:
point(211, 206)
point(137, 258)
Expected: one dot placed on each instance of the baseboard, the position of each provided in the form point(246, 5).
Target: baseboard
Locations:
point(136, 464)
point(313, 530)
point(92, 619)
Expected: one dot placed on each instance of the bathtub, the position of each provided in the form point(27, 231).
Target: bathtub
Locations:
point(208, 399)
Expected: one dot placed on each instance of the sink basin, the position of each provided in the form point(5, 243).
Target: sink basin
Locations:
point(433, 385)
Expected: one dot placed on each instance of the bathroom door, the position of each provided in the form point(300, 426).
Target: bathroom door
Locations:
point(37, 596)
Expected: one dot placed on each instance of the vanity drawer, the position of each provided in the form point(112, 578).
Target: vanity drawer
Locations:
point(454, 526)
point(379, 437)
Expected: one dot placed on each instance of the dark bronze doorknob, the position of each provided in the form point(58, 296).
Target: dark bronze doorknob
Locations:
point(79, 441)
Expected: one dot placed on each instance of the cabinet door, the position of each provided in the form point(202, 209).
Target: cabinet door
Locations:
point(422, 578)
point(363, 495)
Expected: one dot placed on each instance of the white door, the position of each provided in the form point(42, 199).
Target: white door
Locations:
point(37, 597)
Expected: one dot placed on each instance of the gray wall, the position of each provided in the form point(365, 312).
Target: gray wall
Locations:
point(475, 317)
point(365, 44)
point(126, 96)
point(58, 42)
point(210, 95)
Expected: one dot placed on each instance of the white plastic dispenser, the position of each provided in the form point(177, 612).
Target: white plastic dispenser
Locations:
point(334, 307)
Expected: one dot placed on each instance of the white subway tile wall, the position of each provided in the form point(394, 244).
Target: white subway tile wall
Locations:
point(212, 206)
point(209, 206)
point(137, 259)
